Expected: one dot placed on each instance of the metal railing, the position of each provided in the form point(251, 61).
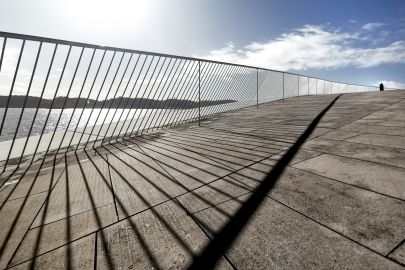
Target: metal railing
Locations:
point(58, 96)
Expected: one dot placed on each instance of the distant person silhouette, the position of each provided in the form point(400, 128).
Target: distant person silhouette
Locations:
point(381, 87)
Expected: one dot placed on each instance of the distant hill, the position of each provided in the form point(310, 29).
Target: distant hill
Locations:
point(139, 103)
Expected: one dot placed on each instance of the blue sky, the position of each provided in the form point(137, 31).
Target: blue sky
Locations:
point(352, 41)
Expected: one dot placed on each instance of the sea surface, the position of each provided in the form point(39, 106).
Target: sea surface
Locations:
point(47, 121)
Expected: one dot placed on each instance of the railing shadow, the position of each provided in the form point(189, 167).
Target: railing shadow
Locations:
point(223, 239)
point(182, 148)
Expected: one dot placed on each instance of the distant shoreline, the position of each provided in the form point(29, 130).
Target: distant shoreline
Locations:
point(116, 103)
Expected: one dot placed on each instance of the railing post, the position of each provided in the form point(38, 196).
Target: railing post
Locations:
point(257, 88)
point(199, 93)
point(316, 87)
point(308, 86)
point(283, 86)
point(298, 85)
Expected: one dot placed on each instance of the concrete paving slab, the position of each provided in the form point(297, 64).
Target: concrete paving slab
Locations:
point(76, 255)
point(17, 216)
point(190, 169)
point(355, 127)
point(78, 191)
point(339, 135)
point(277, 237)
point(319, 222)
point(30, 184)
point(212, 194)
point(377, 177)
point(384, 155)
point(45, 238)
point(139, 182)
point(163, 238)
point(233, 157)
point(399, 254)
point(379, 139)
point(371, 219)
point(302, 154)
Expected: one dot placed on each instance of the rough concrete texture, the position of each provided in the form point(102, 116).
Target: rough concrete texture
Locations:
point(156, 200)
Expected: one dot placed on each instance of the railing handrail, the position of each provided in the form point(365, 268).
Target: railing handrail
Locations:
point(117, 49)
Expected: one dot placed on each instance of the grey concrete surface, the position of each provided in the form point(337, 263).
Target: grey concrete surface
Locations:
point(155, 201)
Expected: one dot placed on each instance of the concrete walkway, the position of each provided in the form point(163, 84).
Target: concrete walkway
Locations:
point(155, 201)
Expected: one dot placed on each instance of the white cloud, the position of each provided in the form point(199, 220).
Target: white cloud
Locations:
point(311, 47)
point(371, 26)
point(391, 84)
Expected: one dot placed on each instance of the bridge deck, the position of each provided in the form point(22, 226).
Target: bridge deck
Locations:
point(157, 200)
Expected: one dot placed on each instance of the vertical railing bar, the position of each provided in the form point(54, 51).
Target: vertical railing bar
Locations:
point(172, 94)
point(180, 96)
point(242, 82)
point(164, 78)
point(24, 104)
point(180, 82)
point(95, 103)
point(104, 101)
point(249, 82)
point(316, 87)
point(209, 69)
point(64, 102)
point(246, 81)
point(2, 52)
point(164, 110)
point(75, 106)
point(113, 100)
point(283, 84)
point(265, 77)
point(308, 85)
point(106, 97)
point(257, 87)
point(221, 89)
point(114, 96)
point(199, 93)
point(37, 108)
point(185, 97)
point(146, 90)
point(212, 83)
point(209, 78)
point(187, 115)
point(51, 107)
point(133, 98)
point(156, 113)
point(219, 85)
point(87, 100)
point(298, 85)
point(150, 91)
point(122, 98)
point(12, 86)
point(227, 90)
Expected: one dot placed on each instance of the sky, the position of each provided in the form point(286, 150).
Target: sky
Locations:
point(348, 41)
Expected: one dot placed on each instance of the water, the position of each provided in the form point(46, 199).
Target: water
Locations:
point(88, 118)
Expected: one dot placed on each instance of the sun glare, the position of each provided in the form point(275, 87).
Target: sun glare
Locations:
point(107, 14)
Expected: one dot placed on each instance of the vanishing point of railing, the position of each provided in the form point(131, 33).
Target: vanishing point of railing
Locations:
point(58, 96)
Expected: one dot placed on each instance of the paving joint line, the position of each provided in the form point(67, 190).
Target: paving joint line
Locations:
point(363, 160)
point(112, 187)
point(39, 210)
point(357, 119)
point(342, 182)
point(331, 229)
point(206, 234)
